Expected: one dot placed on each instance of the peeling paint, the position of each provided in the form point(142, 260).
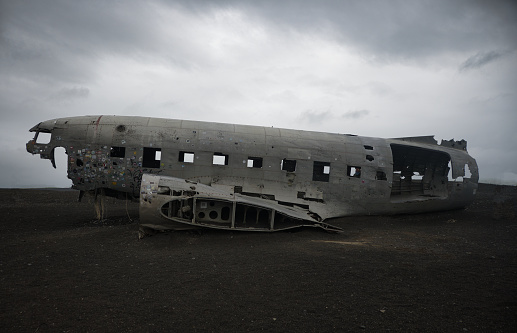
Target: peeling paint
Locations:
point(324, 175)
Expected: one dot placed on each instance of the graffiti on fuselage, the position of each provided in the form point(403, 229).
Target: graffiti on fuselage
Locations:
point(96, 167)
point(136, 179)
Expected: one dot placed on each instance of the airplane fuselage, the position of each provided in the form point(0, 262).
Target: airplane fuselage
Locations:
point(328, 174)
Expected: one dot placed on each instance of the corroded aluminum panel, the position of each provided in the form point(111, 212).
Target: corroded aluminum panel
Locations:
point(179, 204)
point(396, 175)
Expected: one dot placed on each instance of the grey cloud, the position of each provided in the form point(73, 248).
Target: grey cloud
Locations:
point(82, 27)
point(479, 60)
point(355, 114)
point(311, 116)
point(395, 30)
point(287, 96)
point(379, 88)
point(67, 94)
point(46, 45)
point(63, 41)
point(316, 117)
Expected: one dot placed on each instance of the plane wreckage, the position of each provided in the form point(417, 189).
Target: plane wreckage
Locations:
point(192, 174)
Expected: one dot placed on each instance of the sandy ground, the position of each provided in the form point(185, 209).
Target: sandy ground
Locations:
point(63, 271)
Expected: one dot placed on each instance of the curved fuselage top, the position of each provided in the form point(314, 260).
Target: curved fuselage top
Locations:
point(332, 174)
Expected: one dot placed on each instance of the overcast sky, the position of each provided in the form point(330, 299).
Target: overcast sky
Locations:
point(372, 68)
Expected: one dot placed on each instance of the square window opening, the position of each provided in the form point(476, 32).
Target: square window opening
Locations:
point(150, 157)
point(354, 171)
point(380, 175)
point(186, 157)
point(288, 165)
point(220, 159)
point(321, 171)
point(254, 162)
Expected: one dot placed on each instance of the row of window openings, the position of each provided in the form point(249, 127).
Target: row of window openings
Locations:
point(321, 171)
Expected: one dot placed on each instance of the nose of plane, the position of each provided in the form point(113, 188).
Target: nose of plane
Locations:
point(30, 146)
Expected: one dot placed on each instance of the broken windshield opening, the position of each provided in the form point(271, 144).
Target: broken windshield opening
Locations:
point(42, 137)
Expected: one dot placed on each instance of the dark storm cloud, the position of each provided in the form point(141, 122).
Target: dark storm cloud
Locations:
point(51, 41)
point(480, 60)
point(64, 40)
point(395, 30)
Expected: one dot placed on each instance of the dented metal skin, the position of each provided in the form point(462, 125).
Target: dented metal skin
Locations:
point(289, 178)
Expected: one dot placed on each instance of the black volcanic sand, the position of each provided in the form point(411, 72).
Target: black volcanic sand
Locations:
point(62, 270)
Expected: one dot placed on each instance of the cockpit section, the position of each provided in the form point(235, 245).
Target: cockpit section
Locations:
point(42, 142)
